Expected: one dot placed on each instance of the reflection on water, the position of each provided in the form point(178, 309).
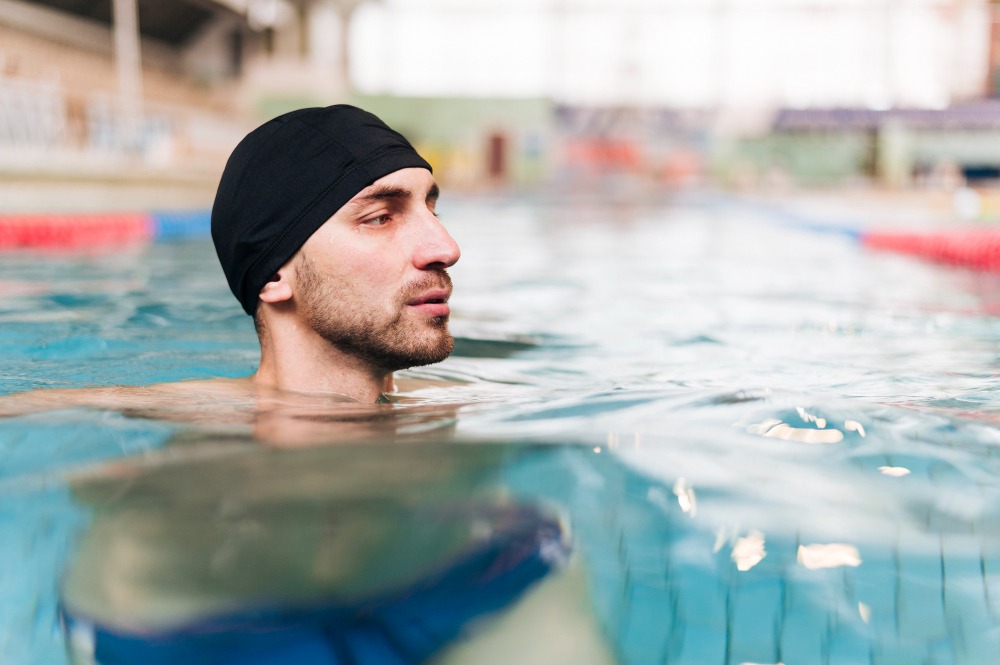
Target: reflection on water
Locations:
point(686, 437)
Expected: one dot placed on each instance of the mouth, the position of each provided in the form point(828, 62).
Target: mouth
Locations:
point(432, 303)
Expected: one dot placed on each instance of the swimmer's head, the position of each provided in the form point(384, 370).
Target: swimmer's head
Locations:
point(288, 177)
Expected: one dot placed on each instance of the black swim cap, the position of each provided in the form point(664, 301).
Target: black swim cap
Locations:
point(289, 176)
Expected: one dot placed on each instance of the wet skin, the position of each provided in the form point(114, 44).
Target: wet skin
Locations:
point(364, 296)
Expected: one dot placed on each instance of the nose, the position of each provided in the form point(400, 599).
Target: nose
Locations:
point(435, 249)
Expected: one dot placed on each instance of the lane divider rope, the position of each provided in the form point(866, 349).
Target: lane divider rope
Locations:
point(99, 230)
point(976, 248)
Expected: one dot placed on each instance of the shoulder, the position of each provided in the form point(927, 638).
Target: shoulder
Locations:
point(238, 388)
point(126, 398)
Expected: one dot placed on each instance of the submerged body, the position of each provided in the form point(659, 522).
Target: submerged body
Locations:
point(224, 552)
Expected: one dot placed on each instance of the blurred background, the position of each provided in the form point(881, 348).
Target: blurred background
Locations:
point(119, 104)
point(685, 346)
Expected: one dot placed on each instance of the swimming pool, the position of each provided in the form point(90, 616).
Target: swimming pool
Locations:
point(764, 444)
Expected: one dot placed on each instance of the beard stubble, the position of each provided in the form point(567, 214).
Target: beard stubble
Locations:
point(388, 341)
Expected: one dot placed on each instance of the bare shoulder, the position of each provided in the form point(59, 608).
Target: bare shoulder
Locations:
point(51, 399)
point(236, 388)
point(117, 398)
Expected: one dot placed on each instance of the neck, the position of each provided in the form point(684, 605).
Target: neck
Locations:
point(293, 357)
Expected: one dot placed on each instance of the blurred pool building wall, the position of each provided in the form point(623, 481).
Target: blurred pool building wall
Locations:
point(901, 147)
point(477, 143)
point(904, 95)
point(143, 100)
point(574, 94)
point(474, 142)
point(65, 115)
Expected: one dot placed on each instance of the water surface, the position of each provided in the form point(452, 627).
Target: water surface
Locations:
point(760, 444)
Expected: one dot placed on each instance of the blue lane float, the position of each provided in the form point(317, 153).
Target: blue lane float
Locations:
point(181, 225)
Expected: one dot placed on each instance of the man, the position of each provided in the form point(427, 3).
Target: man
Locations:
point(325, 227)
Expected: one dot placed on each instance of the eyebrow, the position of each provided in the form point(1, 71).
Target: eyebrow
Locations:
point(389, 192)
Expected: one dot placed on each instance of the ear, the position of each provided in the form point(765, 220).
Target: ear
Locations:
point(279, 289)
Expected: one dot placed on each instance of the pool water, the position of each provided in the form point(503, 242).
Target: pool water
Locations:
point(760, 444)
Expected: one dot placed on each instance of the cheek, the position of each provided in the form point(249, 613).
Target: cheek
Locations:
point(344, 258)
point(372, 267)
point(367, 277)
point(375, 263)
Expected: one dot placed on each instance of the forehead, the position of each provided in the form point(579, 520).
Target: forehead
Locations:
point(416, 180)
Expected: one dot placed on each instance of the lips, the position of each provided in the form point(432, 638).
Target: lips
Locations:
point(432, 303)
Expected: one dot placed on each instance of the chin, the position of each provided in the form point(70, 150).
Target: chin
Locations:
point(437, 352)
point(434, 351)
point(429, 350)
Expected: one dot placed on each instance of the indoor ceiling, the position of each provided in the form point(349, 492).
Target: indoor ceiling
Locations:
point(173, 22)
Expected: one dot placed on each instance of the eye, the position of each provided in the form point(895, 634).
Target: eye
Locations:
point(377, 221)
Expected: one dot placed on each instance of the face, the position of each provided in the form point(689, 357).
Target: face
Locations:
point(373, 279)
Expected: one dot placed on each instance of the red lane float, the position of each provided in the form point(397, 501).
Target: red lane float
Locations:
point(74, 231)
point(978, 249)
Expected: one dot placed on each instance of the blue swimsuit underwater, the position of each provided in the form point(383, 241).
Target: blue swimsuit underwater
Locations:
point(404, 627)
